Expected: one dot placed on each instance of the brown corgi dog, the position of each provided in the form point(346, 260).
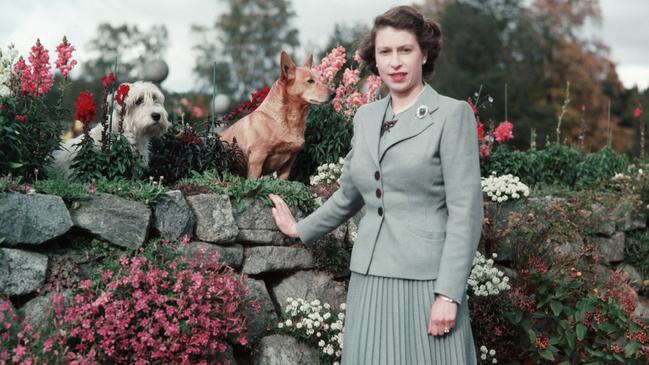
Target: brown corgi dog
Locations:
point(271, 136)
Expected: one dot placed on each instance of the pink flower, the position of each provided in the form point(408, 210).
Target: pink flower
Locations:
point(503, 132)
point(373, 83)
point(331, 64)
point(637, 112)
point(40, 80)
point(357, 57)
point(351, 77)
point(21, 118)
point(337, 102)
point(485, 151)
point(64, 62)
point(47, 345)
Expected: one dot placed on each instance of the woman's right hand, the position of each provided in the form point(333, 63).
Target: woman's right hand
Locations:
point(283, 217)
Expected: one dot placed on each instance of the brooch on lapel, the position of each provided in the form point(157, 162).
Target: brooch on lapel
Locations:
point(422, 110)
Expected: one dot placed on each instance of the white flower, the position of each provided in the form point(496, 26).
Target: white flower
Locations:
point(483, 357)
point(280, 325)
point(342, 306)
point(483, 348)
point(492, 352)
point(321, 343)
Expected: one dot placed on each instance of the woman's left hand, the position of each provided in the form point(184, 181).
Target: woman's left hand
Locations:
point(442, 315)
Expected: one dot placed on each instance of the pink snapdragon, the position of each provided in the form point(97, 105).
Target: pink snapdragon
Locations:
point(351, 77)
point(373, 84)
point(64, 62)
point(36, 79)
point(331, 64)
point(41, 74)
point(357, 57)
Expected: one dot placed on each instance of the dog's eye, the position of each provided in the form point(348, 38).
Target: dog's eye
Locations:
point(311, 81)
point(139, 101)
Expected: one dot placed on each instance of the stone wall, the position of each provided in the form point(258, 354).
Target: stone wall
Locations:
point(278, 267)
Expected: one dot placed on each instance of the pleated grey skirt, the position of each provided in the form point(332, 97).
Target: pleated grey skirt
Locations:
point(387, 320)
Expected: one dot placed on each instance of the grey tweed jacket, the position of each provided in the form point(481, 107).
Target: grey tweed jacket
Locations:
point(423, 194)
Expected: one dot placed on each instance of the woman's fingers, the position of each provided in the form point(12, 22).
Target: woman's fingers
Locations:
point(440, 318)
point(282, 214)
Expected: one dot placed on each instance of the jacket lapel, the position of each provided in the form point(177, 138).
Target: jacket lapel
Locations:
point(412, 124)
point(374, 127)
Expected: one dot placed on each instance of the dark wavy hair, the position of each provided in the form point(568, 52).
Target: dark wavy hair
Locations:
point(427, 31)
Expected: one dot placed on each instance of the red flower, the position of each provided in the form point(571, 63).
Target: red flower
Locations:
point(485, 151)
point(122, 93)
point(637, 113)
point(106, 81)
point(21, 118)
point(473, 107)
point(86, 109)
point(503, 132)
point(480, 131)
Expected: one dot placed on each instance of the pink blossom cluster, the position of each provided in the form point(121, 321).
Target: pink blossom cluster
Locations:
point(24, 342)
point(172, 310)
point(64, 62)
point(180, 314)
point(330, 65)
point(348, 96)
point(36, 78)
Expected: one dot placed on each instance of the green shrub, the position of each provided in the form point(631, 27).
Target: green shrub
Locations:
point(557, 165)
point(503, 160)
point(117, 162)
point(600, 166)
point(243, 191)
point(146, 192)
point(327, 137)
point(30, 131)
point(176, 153)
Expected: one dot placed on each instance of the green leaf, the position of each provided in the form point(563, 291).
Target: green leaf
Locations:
point(556, 307)
point(547, 354)
point(570, 337)
point(581, 331)
point(631, 348)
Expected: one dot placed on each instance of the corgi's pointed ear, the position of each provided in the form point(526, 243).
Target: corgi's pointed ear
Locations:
point(287, 67)
point(309, 61)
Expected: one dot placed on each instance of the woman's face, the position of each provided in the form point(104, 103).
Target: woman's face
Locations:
point(399, 59)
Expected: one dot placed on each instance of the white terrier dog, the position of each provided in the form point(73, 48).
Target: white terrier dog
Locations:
point(144, 117)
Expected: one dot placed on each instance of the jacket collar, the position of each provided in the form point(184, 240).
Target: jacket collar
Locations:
point(413, 123)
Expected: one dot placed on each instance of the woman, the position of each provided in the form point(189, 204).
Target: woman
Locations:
point(414, 164)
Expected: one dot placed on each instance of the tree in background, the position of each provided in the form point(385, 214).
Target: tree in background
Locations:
point(535, 50)
point(126, 44)
point(491, 44)
point(249, 38)
point(568, 56)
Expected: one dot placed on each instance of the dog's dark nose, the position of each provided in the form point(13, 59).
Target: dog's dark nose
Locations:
point(332, 95)
point(155, 116)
